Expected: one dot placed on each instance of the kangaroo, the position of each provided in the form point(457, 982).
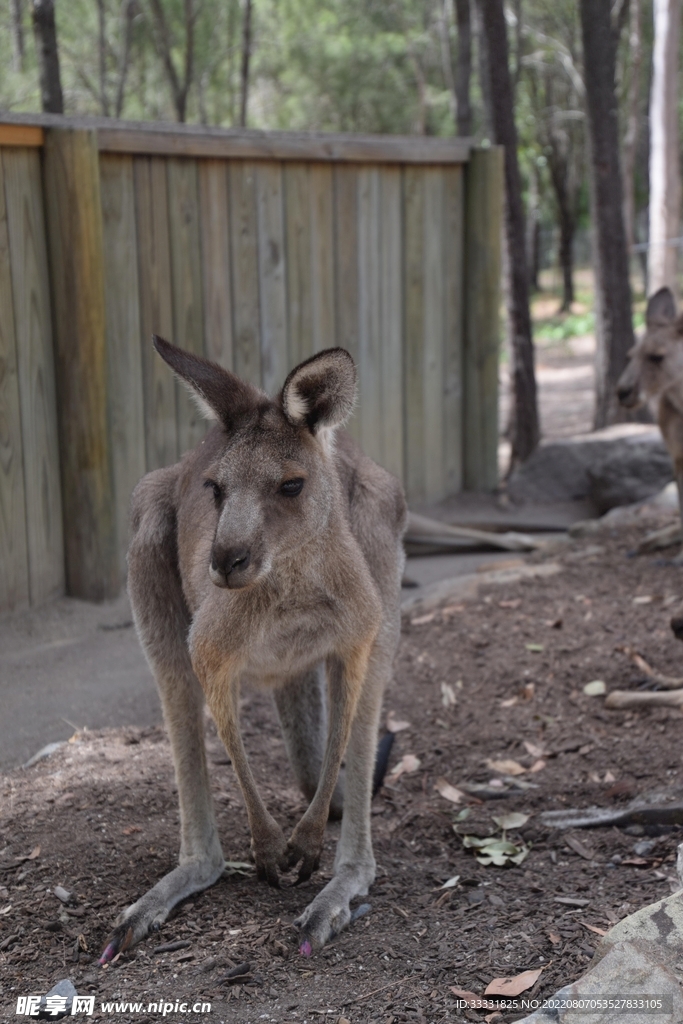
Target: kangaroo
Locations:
point(271, 554)
point(654, 374)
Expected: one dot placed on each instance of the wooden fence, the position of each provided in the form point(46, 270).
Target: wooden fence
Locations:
point(256, 250)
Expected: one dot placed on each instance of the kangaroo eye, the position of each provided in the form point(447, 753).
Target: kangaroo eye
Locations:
point(655, 358)
point(290, 488)
point(216, 488)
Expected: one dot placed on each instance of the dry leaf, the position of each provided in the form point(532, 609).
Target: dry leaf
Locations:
point(129, 829)
point(448, 698)
point(528, 690)
point(609, 777)
point(644, 599)
point(514, 819)
point(451, 609)
point(513, 986)
point(451, 883)
point(593, 928)
point(509, 703)
point(506, 767)
point(515, 603)
point(538, 766)
point(578, 847)
point(595, 689)
point(35, 852)
point(408, 763)
point(533, 749)
point(472, 999)
point(491, 1018)
point(395, 725)
point(447, 791)
point(422, 620)
point(554, 938)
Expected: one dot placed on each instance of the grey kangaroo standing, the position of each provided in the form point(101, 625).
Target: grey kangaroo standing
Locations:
point(269, 554)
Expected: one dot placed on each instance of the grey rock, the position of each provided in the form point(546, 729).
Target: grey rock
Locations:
point(67, 991)
point(627, 969)
point(62, 894)
point(660, 925)
point(616, 466)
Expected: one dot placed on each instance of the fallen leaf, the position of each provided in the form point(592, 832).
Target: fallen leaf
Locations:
point(463, 815)
point(395, 725)
point(593, 928)
point(129, 829)
point(514, 819)
point(238, 867)
point(515, 603)
point(595, 689)
point(509, 703)
point(5, 910)
point(636, 862)
point(451, 882)
point(554, 938)
point(533, 749)
point(538, 766)
point(506, 767)
point(491, 1018)
point(35, 852)
point(644, 599)
point(609, 777)
point(472, 999)
point(447, 791)
point(513, 986)
point(451, 609)
point(578, 847)
point(422, 620)
point(408, 763)
point(534, 648)
point(448, 698)
point(496, 851)
point(527, 691)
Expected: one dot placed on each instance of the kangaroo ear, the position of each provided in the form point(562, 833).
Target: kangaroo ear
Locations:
point(219, 394)
point(321, 392)
point(661, 308)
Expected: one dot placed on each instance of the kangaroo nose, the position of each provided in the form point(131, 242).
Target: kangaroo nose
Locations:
point(624, 393)
point(231, 560)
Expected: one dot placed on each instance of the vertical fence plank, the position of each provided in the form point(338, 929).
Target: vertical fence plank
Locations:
point(299, 264)
point(14, 580)
point(35, 363)
point(369, 311)
point(413, 191)
point(215, 241)
point(483, 220)
point(346, 267)
point(322, 256)
point(453, 221)
point(245, 281)
point(271, 262)
point(391, 325)
point(186, 276)
point(156, 309)
point(124, 359)
point(433, 321)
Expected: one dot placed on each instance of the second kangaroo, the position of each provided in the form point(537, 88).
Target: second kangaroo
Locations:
point(269, 554)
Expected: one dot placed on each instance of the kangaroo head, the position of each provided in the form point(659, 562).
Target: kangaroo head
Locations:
point(656, 360)
point(273, 485)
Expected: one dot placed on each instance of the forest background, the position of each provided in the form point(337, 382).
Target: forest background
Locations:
point(400, 66)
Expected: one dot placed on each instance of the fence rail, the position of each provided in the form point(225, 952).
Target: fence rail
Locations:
point(256, 250)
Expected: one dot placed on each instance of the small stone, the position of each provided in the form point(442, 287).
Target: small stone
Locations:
point(62, 894)
point(66, 990)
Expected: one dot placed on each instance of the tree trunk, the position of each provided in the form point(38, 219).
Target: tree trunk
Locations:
point(665, 178)
point(17, 35)
point(558, 164)
point(533, 229)
point(613, 323)
point(246, 57)
point(45, 30)
point(128, 13)
point(484, 73)
point(102, 53)
point(463, 71)
point(631, 136)
point(162, 38)
point(446, 63)
point(524, 427)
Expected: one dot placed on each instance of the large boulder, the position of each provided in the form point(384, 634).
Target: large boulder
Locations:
point(615, 466)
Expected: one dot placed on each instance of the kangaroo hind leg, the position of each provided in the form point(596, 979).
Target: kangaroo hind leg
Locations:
point(162, 622)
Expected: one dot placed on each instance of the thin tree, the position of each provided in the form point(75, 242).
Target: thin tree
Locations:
point(45, 32)
point(246, 58)
point(102, 53)
point(524, 426)
point(665, 175)
point(17, 35)
point(180, 86)
point(613, 323)
point(463, 68)
point(129, 12)
point(635, 49)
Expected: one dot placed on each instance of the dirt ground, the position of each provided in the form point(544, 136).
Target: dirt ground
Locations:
point(498, 678)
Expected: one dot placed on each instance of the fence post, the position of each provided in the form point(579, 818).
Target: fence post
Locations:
point(483, 225)
point(75, 247)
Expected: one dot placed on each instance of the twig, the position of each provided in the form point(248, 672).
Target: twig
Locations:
point(359, 999)
point(666, 682)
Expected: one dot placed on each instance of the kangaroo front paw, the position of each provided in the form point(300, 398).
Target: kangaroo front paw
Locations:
point(305, 845)
point(268, 847)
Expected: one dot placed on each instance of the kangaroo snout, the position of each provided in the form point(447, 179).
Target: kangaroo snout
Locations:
point(627, 395)
point(229, 566)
